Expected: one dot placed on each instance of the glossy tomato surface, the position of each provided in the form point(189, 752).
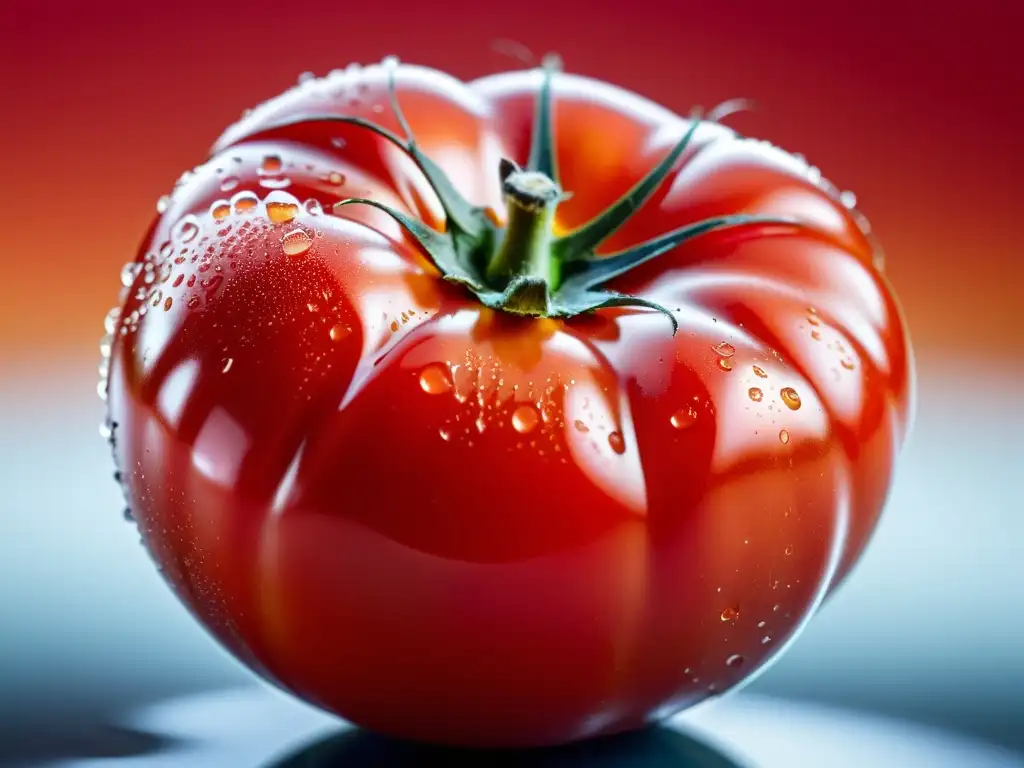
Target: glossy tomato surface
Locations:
point(458, 525)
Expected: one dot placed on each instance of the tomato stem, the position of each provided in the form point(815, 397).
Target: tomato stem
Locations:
point(525, 247)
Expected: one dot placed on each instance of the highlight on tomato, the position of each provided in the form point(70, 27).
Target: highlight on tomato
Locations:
point(503, 413)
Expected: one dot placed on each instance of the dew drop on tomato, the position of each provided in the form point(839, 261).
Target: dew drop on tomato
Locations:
point(313, 207)
point(163, 203)
point(335, 178)
point(735, 660)
point(220, 210)
point(725, 349)
point(725, 363)
point(281, 212)
point(296, 243)
point(683, 418)
point(185, 231)
point(129, 272)
point(759, 372)
point(339, 331)
point(244, 202)
point(730, 614)
point(435, 379)
point(581, 426)
point(756, 394)
point(276, 182)
point(228, 183)
point(784, 436)
point(524, 419)
point(790, 398)
point(271, 165)
point(617, 443)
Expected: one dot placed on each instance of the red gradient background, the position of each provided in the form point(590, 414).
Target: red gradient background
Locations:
point(910, 105)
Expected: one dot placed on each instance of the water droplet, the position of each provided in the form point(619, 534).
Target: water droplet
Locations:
point(524, 419)
point(581, 426)
point(683, 418)
point(725, 349)
point(775, 608)
point(735, 660)
point(730, 614)
point(790, 398)
point(228, 183)
point(816, 335)
point(167, 303)
point(617, 443)
point(225, 364)
point(220, 209)
point(445, 434)
point(435, 379)
point(271, 165)
point(280, 212)
point(193, 302)
point(335, 178)
point(296, 243)
point(481, 425)
point(759, 372)
point(163, 203)
point(313, 207)
point(848, 198)
point(389, 62)
point(110, 321)
point(848, 364)
point(813, 320)
point(760, 624)
point(783, 436)
point(725, 363)
point(305, 77)
point(788, 550)
point(339, 331)
point(101, 390)
point(244, 202)
point(338, 143)
point(185, 231)
point(129, 272)
point(276, 182)
point(755, 394)
point(765, 640)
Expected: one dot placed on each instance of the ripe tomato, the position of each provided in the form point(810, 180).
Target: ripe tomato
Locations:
point(462, 457)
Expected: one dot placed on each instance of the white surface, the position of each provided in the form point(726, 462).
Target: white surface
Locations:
point(256, 726)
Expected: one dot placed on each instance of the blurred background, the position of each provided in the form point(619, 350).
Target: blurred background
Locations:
point(915, 108)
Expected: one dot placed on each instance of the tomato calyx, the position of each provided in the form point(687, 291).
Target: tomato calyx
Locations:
point(523, 268)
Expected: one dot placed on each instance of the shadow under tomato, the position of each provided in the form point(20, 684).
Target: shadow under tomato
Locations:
point(656, 747)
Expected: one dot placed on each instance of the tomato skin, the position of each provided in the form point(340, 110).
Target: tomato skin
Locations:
point(460, 526)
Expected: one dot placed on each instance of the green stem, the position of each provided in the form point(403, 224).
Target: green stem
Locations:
point(525, 249)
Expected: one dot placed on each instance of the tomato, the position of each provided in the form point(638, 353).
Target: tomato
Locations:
point(505, 413)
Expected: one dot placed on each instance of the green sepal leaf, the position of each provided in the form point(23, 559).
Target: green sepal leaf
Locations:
point(524, 295)
point(580, 243)
point(439, 246)
point(542, 143)
point(596, 270)
point(567, 304)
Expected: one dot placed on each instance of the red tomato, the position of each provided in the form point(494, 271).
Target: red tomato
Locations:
point(516, 506)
